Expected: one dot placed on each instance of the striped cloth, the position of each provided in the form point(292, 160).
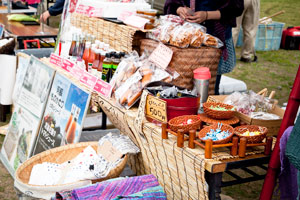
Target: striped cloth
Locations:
point(133, 188)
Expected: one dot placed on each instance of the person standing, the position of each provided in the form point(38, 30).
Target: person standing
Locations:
point(249, 21)
point(218, 16)
point(54, 10)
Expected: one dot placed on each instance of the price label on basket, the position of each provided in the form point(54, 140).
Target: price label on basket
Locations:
point(77, 72)
point(103, 88)
point(67, 65)
point(161, 56)
point(109, 152)
point(156, 108)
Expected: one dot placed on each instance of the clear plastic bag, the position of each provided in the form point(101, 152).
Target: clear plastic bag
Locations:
point(212, 41)
point(181, 36)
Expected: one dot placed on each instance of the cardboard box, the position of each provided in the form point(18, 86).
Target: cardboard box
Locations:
point(272, 125)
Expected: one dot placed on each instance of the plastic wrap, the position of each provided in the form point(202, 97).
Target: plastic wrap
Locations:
point(212, 41)
point(182, 36)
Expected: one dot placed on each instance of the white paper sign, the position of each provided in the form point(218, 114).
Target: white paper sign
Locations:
point(161, 56)
point(135, 21)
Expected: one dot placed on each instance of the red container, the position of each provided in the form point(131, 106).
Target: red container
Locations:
point(179, 106)
point(291, 38)
point(182, 106)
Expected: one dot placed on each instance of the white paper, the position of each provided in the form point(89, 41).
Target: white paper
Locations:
point(7, 78)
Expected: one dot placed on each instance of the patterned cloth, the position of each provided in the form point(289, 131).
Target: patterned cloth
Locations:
point(226, 65)
point(288, 175)
point(139, 187)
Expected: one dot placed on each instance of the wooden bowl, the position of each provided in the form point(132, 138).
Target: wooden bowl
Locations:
point(176, 123)
point(224, 127)
point(251, 128)
point(218, 114)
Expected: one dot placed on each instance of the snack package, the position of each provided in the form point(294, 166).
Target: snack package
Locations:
point(212, 41)
point(130, 91)
point(182, 36)
point(126, 68)
point(171, 18)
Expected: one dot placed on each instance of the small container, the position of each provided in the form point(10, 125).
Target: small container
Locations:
point(201, 81)
point(150, 12)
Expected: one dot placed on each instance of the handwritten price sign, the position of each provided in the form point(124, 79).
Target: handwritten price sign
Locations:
point(156, 108)
point(161, 56)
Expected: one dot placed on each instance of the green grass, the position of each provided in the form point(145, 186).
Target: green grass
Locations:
point(291, 8)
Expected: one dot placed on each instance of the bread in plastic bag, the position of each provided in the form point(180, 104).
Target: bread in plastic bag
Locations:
point(212, 41)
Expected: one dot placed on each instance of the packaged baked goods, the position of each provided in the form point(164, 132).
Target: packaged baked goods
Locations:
point(165, 32)
point(130, 90)
point(181, 36)
point(212, 41)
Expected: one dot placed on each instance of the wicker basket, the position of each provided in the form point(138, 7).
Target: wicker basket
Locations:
point(224, 127)
point(120, 37)
point(175, 124)
point(59, 155)
point(218, 114)
point(251, 128)
point(184, 61)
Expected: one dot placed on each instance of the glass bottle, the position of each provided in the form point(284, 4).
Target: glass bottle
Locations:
point(86, 54)
point(102, 57)
point(91, 57)
point(96, 62)
point(75, 50)
point(73, 44)
point(106, 67)
point(115, 62)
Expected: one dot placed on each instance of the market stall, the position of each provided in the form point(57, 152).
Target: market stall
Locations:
point(156, 95)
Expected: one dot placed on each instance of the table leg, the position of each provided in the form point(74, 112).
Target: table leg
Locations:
point(214, 181)
point(4, 110)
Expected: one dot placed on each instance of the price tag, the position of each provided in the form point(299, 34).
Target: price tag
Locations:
point(67, 65)
point(110, 153)
point(103, 88)
point(124, 15)
point(88, 79)
point(77, 72)
point(96, 12)
point(136, 21)
point(156, 108)
point(161, 56)
point(56, 60)
point(82, 9)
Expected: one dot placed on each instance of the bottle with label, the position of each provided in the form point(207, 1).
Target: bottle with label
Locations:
point(96, 62)
point(81, 47)
point(106, 67)
point(91, 57)
point(75, 50)
point(115, 62)
point(86, 54)
point(73, 44)
point(102, 57)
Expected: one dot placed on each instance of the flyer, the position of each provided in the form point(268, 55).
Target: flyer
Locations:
point(20, 138)
point(36, 86)
point(64, 115)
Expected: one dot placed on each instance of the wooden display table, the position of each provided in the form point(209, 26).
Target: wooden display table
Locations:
point(23, 32)
point(183, 172)
point(4, 9)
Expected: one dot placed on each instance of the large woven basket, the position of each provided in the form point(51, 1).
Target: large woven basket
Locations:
point(119, 37)
point(176, 123)
point(224, 127)
point(185, 60)
point(218, 114)
point(59, 155)
point(251, 128)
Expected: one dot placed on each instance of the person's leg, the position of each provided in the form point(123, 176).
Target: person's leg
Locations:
point(217, 86)
point(236, 30)
point(250, 26)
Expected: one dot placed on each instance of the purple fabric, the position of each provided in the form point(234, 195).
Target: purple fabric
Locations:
point(288, 175)
point(112, 189)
